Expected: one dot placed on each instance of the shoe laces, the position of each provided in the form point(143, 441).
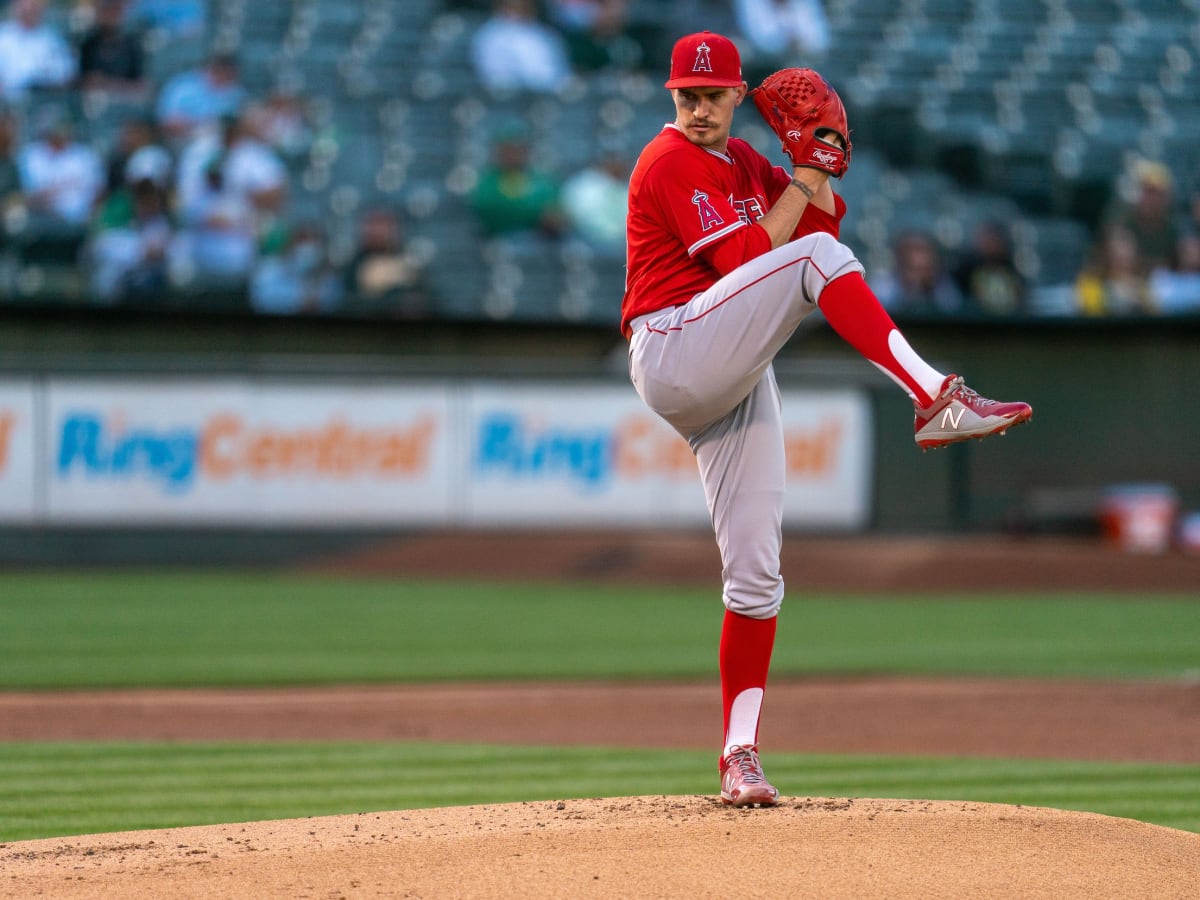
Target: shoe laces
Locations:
point(964, 394)
point(746, 761)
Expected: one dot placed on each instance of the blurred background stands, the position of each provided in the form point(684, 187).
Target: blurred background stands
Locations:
point(1025, 112)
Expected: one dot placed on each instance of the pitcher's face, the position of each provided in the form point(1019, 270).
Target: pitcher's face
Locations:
point(705, 114)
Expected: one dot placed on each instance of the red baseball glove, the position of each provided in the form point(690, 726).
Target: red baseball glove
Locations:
point(799, 105)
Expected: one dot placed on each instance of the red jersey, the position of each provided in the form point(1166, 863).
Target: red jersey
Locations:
point(685, 202)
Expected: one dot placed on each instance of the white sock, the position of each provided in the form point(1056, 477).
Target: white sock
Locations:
point(743, 719)
point(929, 378)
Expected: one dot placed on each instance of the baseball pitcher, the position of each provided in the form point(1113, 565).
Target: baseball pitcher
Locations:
point(727, 254)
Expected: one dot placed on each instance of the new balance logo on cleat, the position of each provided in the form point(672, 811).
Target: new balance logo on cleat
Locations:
point(949, 417)
point(960, 414)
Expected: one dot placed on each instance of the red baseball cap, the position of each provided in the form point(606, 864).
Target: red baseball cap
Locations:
point(705, 59)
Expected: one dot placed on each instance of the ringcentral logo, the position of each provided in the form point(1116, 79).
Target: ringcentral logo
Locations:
point(228, 445)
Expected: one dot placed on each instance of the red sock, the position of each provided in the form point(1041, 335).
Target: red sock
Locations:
point(855, 313)
point(746, 646)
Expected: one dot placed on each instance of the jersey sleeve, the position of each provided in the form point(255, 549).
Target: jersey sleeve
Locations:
point(694, 204)
point(725, 256)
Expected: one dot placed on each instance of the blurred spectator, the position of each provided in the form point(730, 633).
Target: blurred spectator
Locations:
point(987, 276)
point(1176, 288)
point(132, 135)
point(1192, 217)
point(1147, 211)
point(111, 57)
point(595, 200)
point(11, 198)
point(127, 253)
point(61, 178)
point(231, 192)
point(177, 19)
point(10, 142)
point(1114, 281)
point(298, 278)
point(281, 119)
point(514, 50)
point(33, 52)
point(595, 32)
point(217, 240)
point(918, 281)
point(196, 98)
point(514, 198)
point(780, 33)
point(384, 271)
point(247, 167)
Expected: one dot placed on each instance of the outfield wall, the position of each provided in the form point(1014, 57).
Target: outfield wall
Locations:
point(1114, 400)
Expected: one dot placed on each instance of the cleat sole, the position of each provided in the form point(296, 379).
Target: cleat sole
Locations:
point(938, 444)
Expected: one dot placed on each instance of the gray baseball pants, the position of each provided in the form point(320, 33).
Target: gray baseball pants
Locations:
point(706, 368)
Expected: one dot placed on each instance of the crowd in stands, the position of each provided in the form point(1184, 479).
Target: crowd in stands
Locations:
point(1146, 258)
point(1143, 259)
point(192, 197)
point(189, 200)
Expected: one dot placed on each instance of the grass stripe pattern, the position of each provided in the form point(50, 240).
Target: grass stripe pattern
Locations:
point(57, 789)
point(191, 629)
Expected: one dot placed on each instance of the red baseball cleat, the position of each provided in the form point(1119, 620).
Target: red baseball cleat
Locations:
point(959, 414)
point(742, 779)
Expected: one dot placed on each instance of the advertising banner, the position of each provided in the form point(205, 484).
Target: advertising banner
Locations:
point(18, 477)
point(476, 454)
point(829, 441)
point(586, 454)
point(243, 452)
point(549, 453)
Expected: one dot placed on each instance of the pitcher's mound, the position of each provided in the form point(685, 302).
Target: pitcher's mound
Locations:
point(631, 846)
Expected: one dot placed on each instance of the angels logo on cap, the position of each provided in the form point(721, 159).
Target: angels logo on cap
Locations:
point(705, 59)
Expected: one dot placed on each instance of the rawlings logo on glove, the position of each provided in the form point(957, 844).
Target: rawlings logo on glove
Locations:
point(827, 159)
point(799, 105)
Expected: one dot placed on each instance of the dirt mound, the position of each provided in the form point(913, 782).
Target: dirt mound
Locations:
point(645, 846)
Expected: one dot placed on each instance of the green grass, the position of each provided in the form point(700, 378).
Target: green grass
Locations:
point(90, 630)
point(174, 629)
point(56, 789)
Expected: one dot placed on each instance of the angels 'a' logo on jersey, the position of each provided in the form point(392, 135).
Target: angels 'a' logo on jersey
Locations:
point(708, 213)
point(702, 63)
